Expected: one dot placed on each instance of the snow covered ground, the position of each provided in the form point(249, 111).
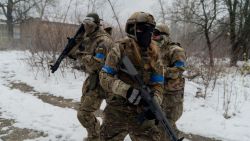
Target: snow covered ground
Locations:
point(201, 117)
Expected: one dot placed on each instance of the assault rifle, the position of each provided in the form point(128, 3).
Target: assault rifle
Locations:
point(70, 45)
point(149, 102)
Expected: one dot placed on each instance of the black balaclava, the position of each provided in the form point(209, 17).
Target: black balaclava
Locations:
point(144, 34)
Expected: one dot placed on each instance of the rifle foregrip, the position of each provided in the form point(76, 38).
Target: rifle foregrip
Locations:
point(54, 67)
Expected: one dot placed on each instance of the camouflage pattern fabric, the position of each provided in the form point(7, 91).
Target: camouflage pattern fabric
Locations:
point(174, 61)
point(91, 53)
point(120, 116)
point(172, 105)
point(92, 50)
point(172, 65)
point(90, 102)
point(121, 120)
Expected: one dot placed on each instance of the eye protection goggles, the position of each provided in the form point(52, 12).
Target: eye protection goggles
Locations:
point(89, 19)
point(157, 33)
point(145, 27)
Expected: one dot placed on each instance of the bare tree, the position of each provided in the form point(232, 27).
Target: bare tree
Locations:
point(239, 20)
point(112, 5)
point(162, 12)
point(65, 15)
point(41, 6)
point(94, 5)
point(15, 11)
point(203, 15)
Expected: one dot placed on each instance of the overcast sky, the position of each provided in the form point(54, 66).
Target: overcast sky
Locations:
point(130, 6)
point(124, 8)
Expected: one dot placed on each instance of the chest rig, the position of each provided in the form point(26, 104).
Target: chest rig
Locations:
point(140, 58)
point(167, 52)
point(91, 43)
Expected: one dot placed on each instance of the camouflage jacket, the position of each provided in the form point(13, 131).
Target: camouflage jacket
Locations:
point(173, 60)
point(116, 82)
point(92, 50)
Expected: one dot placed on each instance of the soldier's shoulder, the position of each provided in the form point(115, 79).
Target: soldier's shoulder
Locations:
point(115, 50)
point(103, 37)
point(124, 42)
point(102, 34)
point(175, 46)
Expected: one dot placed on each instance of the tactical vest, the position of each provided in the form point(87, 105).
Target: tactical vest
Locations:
point(90, 44)
point(167, 55)
point(140, 59)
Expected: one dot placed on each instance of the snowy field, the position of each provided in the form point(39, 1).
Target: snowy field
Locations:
point(28, 111)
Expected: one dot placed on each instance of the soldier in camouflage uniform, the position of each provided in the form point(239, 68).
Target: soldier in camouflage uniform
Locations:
point(94, 45)
point(123, 102)
point(173, 59)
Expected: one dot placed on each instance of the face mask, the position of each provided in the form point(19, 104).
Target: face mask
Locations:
point(143, 39)
point(143, 35)
point(89, 26)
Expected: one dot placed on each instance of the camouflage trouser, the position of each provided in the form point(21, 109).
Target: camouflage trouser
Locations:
point(121, 120)
point(172, 105)
point(90, 102)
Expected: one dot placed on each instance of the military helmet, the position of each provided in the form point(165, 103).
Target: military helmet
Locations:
point(163, 29)
point(107, 27)
point(138, 17)
point(95, 17)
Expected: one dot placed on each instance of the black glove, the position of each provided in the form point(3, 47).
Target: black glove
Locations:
point(149, 115)
point(133, 96)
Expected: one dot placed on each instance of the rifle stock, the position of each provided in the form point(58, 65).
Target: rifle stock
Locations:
point(71, 44)
point(151, 104)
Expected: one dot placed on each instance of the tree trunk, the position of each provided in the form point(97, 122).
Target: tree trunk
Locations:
point(234, 45)
point(163, 15)
point(210, 50)
point(234, 54)
point(10, 24)
point(116, 17)
point(232, 25)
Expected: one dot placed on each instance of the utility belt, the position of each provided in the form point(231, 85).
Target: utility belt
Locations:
point(116, 100)
point(94, 85)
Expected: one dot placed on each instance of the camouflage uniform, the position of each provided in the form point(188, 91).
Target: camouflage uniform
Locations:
point(94, 45)
point(120, 114)
point(173, 59)
point(108, 28)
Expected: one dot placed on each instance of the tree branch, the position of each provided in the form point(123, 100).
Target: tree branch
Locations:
point(116, 17)
point(17, 1)
point(3, 8)
point(215, 14)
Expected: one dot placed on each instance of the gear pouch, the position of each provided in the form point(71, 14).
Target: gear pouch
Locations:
point(93, 78)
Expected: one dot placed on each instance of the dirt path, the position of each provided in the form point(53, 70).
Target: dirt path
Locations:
point(69, 103)
point(45, 97)
point(10, 133)
point(48, 98)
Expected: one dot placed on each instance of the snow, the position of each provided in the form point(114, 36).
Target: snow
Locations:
point(30, 112)
point(204, 117)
